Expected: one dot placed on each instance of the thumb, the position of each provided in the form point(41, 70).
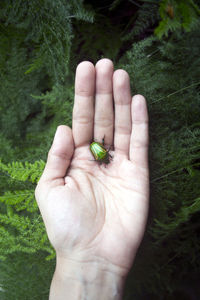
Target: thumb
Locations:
point(60, 154)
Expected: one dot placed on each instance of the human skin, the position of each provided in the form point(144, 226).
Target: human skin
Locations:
point(95, 214)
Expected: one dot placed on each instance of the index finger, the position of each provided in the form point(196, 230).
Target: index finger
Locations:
point(83, 110)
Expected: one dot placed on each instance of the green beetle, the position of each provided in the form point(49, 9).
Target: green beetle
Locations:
point(100, 153)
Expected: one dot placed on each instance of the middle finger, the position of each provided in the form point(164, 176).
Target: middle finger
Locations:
point(104, 114)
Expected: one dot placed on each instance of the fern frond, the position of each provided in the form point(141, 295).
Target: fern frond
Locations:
point(24, 171)
point(20, 233)
point(20, 200)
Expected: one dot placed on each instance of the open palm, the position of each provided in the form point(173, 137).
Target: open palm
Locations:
point(92, 211)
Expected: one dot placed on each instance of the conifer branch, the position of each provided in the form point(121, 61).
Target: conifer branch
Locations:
point(175, 171)
point(176, 92)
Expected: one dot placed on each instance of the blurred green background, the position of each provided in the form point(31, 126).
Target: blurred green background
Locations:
point(157, 42)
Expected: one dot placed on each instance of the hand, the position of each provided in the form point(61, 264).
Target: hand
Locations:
point(92, 212)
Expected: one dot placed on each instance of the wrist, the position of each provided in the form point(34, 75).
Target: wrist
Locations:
point(87, 279)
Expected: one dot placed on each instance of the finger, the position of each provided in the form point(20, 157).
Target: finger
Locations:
point(104, 115)
point(122, 99)
point(139, 135)
point(59, 156)
point(83, 111)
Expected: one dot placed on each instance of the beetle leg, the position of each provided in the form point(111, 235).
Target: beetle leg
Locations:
point(110, 156)
point(103, 140)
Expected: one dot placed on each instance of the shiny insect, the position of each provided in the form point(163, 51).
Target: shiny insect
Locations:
point(100, 153)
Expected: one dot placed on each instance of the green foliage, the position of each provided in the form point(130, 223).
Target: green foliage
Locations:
point(34, 60)
point(162, 230)
point(49, 40)
point(147, 17)
point(23, 172)
point(26, 276)
point(167, 74)
point(42, 41)
point(176, 15)
point(21, 226)
point(163, 17)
